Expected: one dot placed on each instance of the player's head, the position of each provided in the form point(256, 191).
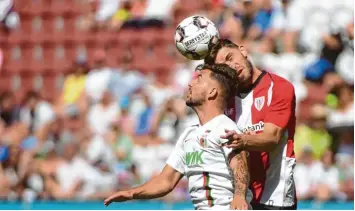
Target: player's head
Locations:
point(226, 52)
point(212, 83)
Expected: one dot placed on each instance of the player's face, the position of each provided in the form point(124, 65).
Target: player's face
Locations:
point(236, 59)
point(196, 94)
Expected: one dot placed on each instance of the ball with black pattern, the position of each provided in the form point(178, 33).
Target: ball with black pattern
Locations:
point(195, 36)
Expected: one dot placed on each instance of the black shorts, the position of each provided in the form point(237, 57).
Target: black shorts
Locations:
point(257, 206)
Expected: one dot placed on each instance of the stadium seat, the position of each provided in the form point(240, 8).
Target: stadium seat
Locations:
point(13, 59)
point(27, 80)
point(17, 36)
point(167, 35)
point(35, 7)
point(63, 7)
point(5, 81)
point(129, 37)
point(150, 36)
point(104, 38)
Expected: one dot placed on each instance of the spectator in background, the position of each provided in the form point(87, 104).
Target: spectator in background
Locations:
point(76, 177)
point(102, 115)
point(144, 120)
point(345, 61)
point(343, 114)
point(126, 81)
point(36, 112)
point(122, 15)
point(12, 130)
point(262, 22)
point(8, 16)
point(345, 162)
point(15, 165)
point(126, 121)
point(305, 161)
point(100, 14)
point(122, 145)
point(314, 134)
point(237, 22)
point(325, 178)
point(9, 112)
point(72, 100)
point(98, 79)
point(158, 12)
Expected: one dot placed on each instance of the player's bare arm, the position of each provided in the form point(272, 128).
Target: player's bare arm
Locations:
point(265, 141)
point(239, 165)
point(277, 118)
point(159, 186)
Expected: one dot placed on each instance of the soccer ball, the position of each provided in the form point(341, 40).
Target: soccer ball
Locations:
point(194, 37)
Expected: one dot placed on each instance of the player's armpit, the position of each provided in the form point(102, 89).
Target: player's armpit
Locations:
point(239, 164)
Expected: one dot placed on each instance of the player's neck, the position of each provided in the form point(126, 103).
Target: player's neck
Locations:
point(255, 75)
point(245, 87)
point(207, 113)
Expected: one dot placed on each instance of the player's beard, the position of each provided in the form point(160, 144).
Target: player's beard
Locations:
point(193, 103)
point(248, 79)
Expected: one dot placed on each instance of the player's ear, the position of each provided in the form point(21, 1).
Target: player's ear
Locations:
point(212, 94)
point(243, 51)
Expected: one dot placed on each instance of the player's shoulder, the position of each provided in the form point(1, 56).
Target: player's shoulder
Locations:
point(189, 129)
point(280, 81)
point(225, 123)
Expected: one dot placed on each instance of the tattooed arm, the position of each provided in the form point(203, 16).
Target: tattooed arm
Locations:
point(239, 165)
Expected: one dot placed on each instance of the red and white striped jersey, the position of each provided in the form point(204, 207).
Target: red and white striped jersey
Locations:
point(271, 100)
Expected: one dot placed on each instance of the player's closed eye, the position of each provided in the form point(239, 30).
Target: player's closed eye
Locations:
point(229, 57)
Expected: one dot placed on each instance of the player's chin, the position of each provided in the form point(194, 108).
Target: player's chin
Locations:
point(189, 102)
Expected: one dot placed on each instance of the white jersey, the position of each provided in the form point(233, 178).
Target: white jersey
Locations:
point(198, 155)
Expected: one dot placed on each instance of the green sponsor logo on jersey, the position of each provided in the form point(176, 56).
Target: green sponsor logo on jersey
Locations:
point(194, 158)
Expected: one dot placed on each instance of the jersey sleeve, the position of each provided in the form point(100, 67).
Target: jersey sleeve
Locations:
point(282, 104)
point(177, 158)
point(229, 126)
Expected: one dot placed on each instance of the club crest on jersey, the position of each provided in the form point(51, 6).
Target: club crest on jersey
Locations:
point(259, 102)
point(203, 142)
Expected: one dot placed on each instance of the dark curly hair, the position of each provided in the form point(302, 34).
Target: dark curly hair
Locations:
point(211, 58)
point(225, 76)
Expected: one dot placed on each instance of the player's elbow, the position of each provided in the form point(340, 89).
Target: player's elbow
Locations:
point(273, 142)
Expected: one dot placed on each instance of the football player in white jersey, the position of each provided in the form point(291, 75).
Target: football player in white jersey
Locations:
point(218, 176)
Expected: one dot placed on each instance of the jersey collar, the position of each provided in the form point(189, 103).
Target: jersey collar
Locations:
point(208, 126)
point(244, 94)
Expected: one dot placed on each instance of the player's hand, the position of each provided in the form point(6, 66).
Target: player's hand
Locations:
point(120, 196)
point(236, 141)
point(239, 203)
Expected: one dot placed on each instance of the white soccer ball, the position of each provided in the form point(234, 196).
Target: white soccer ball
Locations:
point(194, 37)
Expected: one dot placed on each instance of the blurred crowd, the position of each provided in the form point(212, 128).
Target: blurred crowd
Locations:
point(112, 128)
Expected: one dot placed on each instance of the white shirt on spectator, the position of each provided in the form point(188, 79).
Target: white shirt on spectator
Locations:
point(78, 170)
point(100, 119)
point(107, 9)
point(5, 6)
point(98, 149)
point(159, 9)
point(44, 113)
point(97, 83)
point(302, 179)
point(341, 119)
point(344, 65)
point(327, 176)
point(158, 95)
